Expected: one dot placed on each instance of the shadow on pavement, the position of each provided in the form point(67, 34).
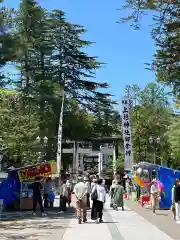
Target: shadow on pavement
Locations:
point(28, 227)
point(27, 217)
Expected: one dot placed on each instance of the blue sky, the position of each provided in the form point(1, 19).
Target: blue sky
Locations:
point(122, 49)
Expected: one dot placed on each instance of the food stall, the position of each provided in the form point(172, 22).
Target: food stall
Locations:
point(27, 176)
point(144, 174)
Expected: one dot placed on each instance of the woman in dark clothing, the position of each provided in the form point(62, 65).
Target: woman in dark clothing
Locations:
point(99, 201)
point(93, 209)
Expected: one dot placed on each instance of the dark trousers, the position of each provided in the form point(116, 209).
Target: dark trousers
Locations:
point(97, 210)
point(46, 200)
point(37, 199)
point(63, 201)
point(88, 200)
point(138, 193)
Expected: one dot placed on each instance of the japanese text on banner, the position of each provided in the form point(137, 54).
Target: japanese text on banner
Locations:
point(126, 127)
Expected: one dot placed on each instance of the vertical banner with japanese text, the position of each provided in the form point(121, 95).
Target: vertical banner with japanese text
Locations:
point(126, 127)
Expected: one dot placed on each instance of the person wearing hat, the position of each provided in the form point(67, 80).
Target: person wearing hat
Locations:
point(80, 191)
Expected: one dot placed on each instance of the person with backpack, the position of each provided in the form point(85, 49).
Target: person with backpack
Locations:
point(98, 195)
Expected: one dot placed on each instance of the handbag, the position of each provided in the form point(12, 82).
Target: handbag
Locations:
point(94, 195)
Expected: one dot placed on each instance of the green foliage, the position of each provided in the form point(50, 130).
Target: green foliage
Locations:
point(173, 135)
point(18, 129)
point(150, 118)
point(48, 54)
point(166, 35)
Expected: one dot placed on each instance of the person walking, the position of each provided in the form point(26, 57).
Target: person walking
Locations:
point(80, 191)
point(69, 190)
point(128, 188)
point(98, 196)
point(47, 189)
point(94, 182)
point(37, 195)
point(118, 200)
point(111, 192)
point(177, 201)
point(63, 197)
point(93, 209)
point(105, 186)
point(87, 182)
point(173, 199)
point(154, 195)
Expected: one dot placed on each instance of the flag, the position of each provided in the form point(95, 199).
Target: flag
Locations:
point(138, 180)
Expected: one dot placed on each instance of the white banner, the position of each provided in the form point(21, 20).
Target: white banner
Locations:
point(126, 127)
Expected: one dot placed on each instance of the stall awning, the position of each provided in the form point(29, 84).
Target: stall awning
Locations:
point(39, 170)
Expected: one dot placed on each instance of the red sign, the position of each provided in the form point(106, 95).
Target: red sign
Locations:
point(41, 170)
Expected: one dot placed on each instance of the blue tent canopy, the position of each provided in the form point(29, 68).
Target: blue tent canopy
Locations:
point(167, 177)
point(9, 188)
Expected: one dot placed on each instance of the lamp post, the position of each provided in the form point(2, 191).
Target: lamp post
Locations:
point(154, 142)
point(39, 141)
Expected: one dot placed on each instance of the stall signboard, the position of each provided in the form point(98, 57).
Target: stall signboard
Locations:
point(126, 127)
point(40, 170)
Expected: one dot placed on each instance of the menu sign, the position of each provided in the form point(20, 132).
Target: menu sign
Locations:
point(126, 127)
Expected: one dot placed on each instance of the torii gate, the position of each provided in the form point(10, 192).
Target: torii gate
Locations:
point(100, 147)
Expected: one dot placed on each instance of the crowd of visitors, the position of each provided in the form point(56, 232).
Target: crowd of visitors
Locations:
point(95, 190)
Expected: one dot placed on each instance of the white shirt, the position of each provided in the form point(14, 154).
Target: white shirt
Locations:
point(80, 190)
point(101, 193)
point(153, 189)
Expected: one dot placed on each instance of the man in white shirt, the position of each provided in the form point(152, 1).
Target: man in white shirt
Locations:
point(80, 191)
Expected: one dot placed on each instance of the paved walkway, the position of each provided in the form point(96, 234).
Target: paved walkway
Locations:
point(162, 220)
point(118, 225)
